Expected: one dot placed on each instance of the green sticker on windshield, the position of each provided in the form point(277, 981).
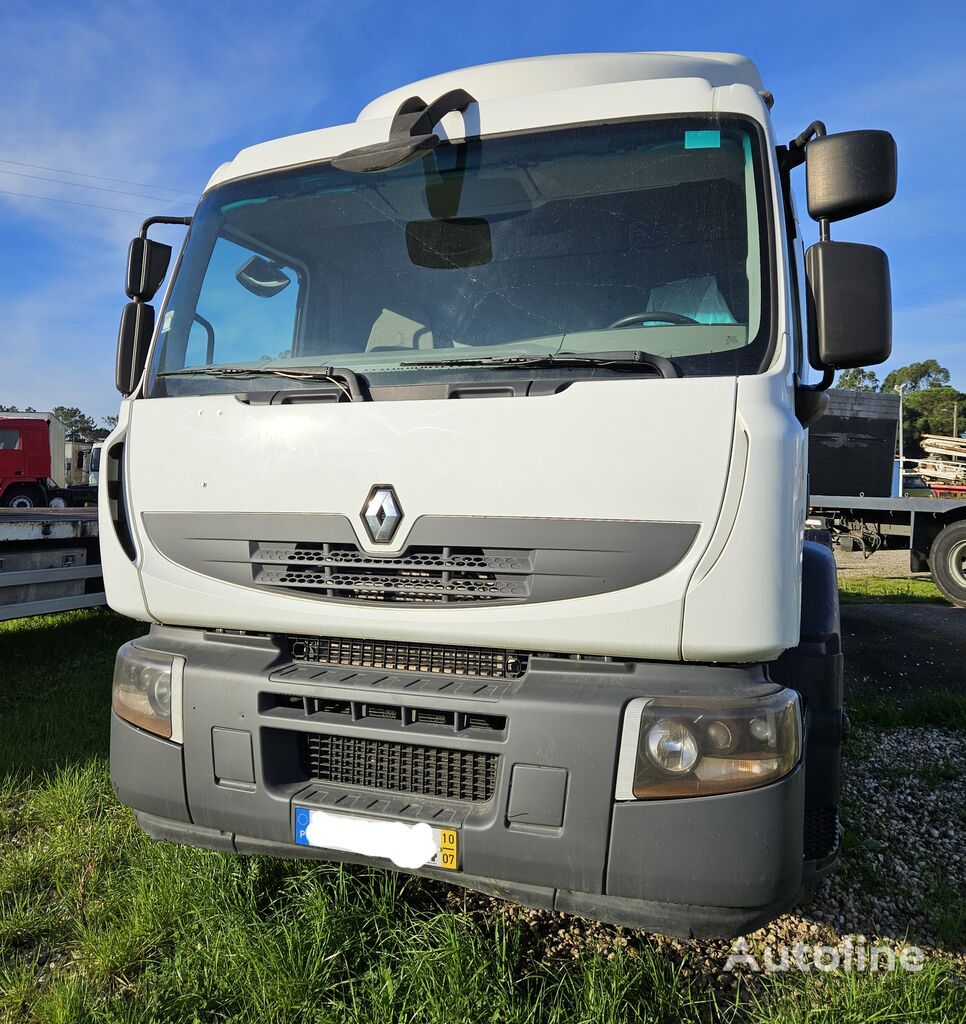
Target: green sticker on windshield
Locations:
point(702, 140)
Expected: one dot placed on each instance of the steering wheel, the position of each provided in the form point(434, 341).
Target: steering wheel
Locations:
point(658, 315)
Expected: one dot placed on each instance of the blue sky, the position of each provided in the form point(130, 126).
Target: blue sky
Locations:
point(160, 94)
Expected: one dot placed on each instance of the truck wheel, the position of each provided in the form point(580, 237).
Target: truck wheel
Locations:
point(947, 561)
point(21, 497)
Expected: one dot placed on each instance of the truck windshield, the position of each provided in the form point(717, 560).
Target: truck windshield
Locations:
point(643, 236)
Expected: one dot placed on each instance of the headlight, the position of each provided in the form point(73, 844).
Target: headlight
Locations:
point(144, 684)
point(672, 746)
point(695, 748)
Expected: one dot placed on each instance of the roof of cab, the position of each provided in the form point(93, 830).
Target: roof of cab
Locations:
point(535, 77)
point(530, 75)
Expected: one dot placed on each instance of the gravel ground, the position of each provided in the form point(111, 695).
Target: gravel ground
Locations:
point(892, 563)
point(903, 868)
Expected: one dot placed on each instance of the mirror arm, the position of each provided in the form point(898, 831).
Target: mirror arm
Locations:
point(184, 221)
point(828, 376)
point(816, 130)
point(811, 400)
point(793, 155)
point(796, 156)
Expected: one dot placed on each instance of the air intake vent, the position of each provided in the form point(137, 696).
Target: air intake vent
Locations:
point(489, 663)
point(417, 575)
point(400, 767)
point(821, 831)
point(385, 711)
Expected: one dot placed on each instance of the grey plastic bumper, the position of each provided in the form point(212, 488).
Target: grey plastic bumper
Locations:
point(708, 866)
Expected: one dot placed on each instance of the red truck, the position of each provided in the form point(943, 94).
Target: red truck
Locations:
point(32, 469)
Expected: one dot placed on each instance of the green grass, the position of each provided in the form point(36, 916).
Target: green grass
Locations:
point(98, 923)
point(55, 700)
point(943, 709)
point(887, 590)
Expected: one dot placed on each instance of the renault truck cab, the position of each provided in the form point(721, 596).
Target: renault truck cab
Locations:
point(404, 482)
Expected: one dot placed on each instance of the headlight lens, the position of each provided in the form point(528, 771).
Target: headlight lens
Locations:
point(697, 748)
point(142, 689)
point(672, 746)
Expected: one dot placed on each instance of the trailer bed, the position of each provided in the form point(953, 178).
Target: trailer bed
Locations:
point(933, 529)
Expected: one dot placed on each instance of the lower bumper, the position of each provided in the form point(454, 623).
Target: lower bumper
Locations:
point(707, 866)
point(681, 920)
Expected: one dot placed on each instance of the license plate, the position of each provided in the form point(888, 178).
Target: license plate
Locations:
point(407, 844)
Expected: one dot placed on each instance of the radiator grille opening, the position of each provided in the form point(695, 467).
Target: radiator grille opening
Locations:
point(384, 711)
point(421, 716)
point(329, 707)
point(400, 767)
point(493, 723)
point(417, 575)
point(488, 663)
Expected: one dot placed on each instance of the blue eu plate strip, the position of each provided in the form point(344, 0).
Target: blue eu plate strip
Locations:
point(301, 824)
point(702, 140)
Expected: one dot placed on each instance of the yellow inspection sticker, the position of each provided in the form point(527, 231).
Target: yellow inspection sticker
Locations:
point(448, 855)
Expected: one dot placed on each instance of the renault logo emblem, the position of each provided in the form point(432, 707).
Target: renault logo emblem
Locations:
point(382, 513)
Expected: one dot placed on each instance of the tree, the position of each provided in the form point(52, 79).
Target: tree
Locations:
point(917, 376)
point(930, 411)
point(857, 380)
point(78, 426)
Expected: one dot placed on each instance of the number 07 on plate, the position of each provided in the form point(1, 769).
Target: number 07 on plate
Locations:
point(448, 844)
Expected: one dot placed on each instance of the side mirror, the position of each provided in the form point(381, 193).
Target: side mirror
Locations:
point(849, 300)
point(133, 340)
point(147, 263)
point(849, 173)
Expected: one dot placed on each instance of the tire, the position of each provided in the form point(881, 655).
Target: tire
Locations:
point(58, 502)
point(21, 497)
point(947, 562)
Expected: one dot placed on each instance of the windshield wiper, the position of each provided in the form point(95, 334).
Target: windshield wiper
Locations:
point(617, 361)
point(346, 379)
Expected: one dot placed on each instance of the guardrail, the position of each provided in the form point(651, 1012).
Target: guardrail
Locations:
point(49, 562)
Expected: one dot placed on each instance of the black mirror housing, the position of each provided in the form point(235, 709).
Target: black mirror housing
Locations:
point(849, 298)
point(133, 340)
point(262, 278)
point(850, 173)
point(147, 263)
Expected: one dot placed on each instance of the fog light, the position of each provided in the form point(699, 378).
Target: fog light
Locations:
point(144, 688)
point(677, 748)
point(672, 746)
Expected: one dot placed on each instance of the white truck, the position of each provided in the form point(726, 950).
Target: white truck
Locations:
point(400, 483)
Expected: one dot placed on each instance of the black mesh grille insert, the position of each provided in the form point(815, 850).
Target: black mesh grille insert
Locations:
point(821, 831)
point(400, 767)
point(489, 663)
point(417, 575)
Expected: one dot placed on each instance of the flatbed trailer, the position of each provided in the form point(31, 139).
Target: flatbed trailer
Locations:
point(49, 561)
point(934, 530)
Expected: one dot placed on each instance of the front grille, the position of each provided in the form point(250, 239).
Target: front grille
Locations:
point(418, 575)
point(400, 767)
point(488, 663)
point(821, 831)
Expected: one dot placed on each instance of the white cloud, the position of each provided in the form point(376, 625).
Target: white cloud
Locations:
point(129, 92)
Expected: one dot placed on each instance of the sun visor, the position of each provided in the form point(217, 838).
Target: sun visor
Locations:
point(696, 297)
